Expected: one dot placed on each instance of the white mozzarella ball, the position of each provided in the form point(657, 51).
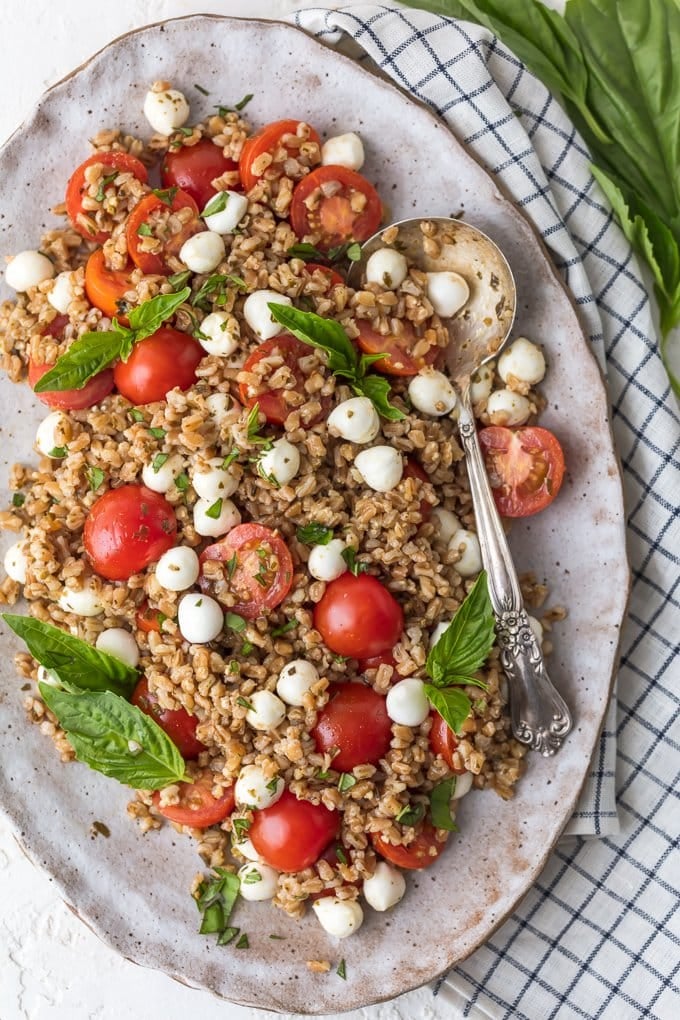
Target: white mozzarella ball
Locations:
point(447, 293)
point(381, 467)
point(462, 786)
point(15, 562)
point(407, 703)
point(536, 629)
point(325, 562)
point(387, 267)
point(52, 433)
point(267, 711)
point(385, 887)
point(62, 293)
point(246, 849)
point(282, 462)
point(220, 334)
point(470, 562)
point(295, 679)
point(162, 477)
point(343, 150)
point(258, 881)
point(200, 618)
point(446, 523)
point(166, 111)
point(355, 420)
point(28, 269)
point(432, 393)
point(338, 917)
point(178, 568)
point(219, 405)
point(84, 602)
point(202, 253)
point(507, 408)
point(523, 361)
point(257, 314)
point(227, 219)
point(211, 480)
point(215, 517)
point(119, 643)
point(438, 631)
point(254, 789)
point(481, 383)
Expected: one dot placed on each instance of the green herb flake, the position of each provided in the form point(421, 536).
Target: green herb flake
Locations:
point(234, 666)
point(159, 460)
point(273, 784)
point(342, 970)
point(157, 433)
point(278, 938)
point(314, 534)
point(230, 458)
point(18, 499)
point(234, 622)
point(58, 452)
point(349, 555)
point(285, 628)
point(340, 854)
point(232, 563)
point(167, 197)
point(215, 510)
point(346, 782)
point(104, 182)
point(252, 427)
point(410, 815)
point(216, 898)
point(246, 647)
point(179, 280)
point(217, 204)
point(243, 942)
point(240, 827)
point(182, 481)
point(144, 230)
point(440, 805)
point(135, 414)
point(186, 131)
point(95, 477)
point(227, 936)
point(199, 88)
point(252, 876)
point(323, 774)
point(244, 703)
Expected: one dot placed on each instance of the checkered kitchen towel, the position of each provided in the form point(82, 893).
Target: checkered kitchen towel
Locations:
point(595, 937)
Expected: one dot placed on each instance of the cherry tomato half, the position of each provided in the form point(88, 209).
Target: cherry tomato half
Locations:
point(358, 617)
point(197, 807)
point(412, 469)
point(292, 834)
point(355, 720)
point(94, 390)
point(148, 619)
point(284, 350)
point(421, 853)
point(334, 219)
point(105, 288)
point(164, 361)
point(334, 278)
point(336, 853)
point(257, 571)
point(193, 168)
point(269, 140)
point(77, 186)
point(444, 741)
point(126, 529)
point(525, 467)
point(374, 661)
point(177, 723)
point(144, 217)
point(399, 360)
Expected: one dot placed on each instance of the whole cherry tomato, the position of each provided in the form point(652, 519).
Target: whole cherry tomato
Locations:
point(193, 168)
point(94, 390)
point(355, 721)
point(177, 723)
point(444, 741)
point(127, 529)
point(197, 806)
point(292, 834)
point(358, 617)
point(164, 361)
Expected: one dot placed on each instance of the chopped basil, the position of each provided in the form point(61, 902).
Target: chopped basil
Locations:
point(167, 196)
point(349, 555)
point(323, 774)
point(95, 477)
point(346, 782)
point(18, 499)
point(252, 877)
point(58, 452)
point(234, 666)
point(246, 647)
point(243, 942)
point(227, 936)
point(273, 784)
point(199, 88)
point(234, 622)
point(231, 565)
point(284, 628)
point(252, 426)
point(279, 938)
point(440, 805)
point(410, 815)
point(179, 280)
point(182, 481)
point(217, 204)
point(230, 458)
point(144, 230)
point(242, 103)
point(104, 182)
point(216, 899)
point(135, 414)
point(244, 703)
point(340, 854)
point(215, 510)
point(314, 534)
point(342, 970)
point(158, 461)
point(240, 827)
point(157, 433)
point(214, 290)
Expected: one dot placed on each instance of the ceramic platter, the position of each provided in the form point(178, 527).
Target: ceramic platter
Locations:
point(133, 890)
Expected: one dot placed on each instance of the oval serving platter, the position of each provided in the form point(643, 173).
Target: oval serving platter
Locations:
point(577, 546)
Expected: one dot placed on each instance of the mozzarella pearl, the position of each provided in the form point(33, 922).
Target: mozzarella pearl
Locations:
point(536, 629)
point(295, 679)
point(119, 643)
point(178, 568)
point(246, 849)
point(28, 269)
point(211, 480)
point(432, 393)
point(470, 562)
point(202, 253)
point(282, 462)
point(200, 618)
point(166, 111)
point(343, 150)
point(15, 562)
point(52, 433)
point(219, 405)
point(522, 360)
point(325, 562)
point(381, 467)
point(257, 314)
point(406, 702)
point(258, 881)
point(355, 420)
point(385, 887)
point(207, 525)
point(446, 523)
point(481, 383)
point(447, 293)
point(267, 712)
point(338, 917)
point(62, 294)
point(254, 789)
point(462, 786)
point(387, 267)
point(226, 221)
point(162, 479)
point(220, 334)
point(84, 602)
point(507, 408)
point(438, 631)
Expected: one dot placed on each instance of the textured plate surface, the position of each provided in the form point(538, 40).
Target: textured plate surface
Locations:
point(133, 891)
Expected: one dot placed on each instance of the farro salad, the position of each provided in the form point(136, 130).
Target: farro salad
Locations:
point(248, 550)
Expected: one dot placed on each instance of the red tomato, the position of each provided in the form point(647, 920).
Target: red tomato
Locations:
point(525, 467)
point(399, 361)
point(258, 571)
point(143, 216)
point(121, 161)
point(272, 403)
point(177, 723)
point(335, 853)
point(334, 278)
point(193, 167)
point(333, 221)
point(358, 617)
point(374, 661)
point(127, 529)
point(165, 361)
point(444, 741)
point(105, 287)
point(197, 807)
point(148, 619)
point(355, 720)
point(94, 390)
point(414, 470)
point(421, 853)
point(292, 834)
point(268, 139)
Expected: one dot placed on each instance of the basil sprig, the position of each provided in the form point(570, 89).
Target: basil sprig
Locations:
point(440, 805)
point(91, 353)
point(343, 359)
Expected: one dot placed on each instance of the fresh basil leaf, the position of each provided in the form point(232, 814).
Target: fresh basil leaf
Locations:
point(326, 334)
point(440, 805)
point(116, 738)
point(377, 389)
point(95, 477)
point(90, 354)
point(410, 814)
point(304, 250)
point(452, 704)
point(465, 645)
point(217, 204)
point(234, 622)
point(349, 555)
point(314, 534)
point(146, 318)
point(346, 782)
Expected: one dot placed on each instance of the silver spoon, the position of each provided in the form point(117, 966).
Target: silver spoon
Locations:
point(539, 715)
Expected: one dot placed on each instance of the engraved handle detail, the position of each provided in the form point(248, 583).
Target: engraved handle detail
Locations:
point(540, 717)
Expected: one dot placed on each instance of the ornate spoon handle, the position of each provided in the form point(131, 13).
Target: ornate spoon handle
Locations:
point(540, 718)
